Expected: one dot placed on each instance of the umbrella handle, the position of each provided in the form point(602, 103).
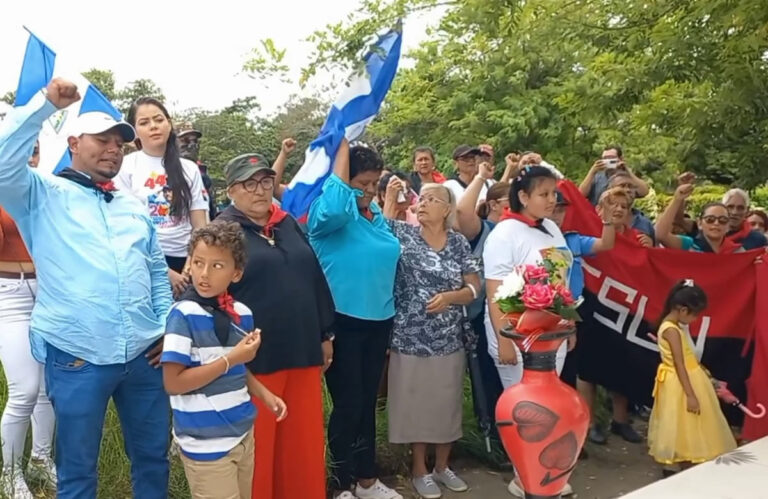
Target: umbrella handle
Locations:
point(746, 410)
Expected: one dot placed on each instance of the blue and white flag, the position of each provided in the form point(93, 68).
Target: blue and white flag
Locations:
point(40, 66)
point(349, 115)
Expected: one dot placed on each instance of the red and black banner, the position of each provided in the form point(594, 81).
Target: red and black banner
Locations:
point(625, 290)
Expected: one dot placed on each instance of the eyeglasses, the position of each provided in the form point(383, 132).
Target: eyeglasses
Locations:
point(250, 185)
point(710, 219)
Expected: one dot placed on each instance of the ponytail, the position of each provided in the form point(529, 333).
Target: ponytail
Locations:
point(684, 294)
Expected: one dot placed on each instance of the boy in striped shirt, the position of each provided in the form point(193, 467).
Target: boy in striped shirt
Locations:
point(209, 337)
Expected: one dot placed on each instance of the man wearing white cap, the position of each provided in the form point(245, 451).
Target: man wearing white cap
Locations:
point(103, 293)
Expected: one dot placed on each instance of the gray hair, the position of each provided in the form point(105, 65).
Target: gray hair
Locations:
point(736, 192)
point(449, 220)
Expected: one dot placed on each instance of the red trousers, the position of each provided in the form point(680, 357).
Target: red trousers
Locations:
point(290, 455)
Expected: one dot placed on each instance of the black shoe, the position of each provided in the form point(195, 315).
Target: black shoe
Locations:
point(597, 435)
point(625, 431)
point(666, 472)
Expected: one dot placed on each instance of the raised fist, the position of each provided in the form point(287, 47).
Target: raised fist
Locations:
point(62, 93)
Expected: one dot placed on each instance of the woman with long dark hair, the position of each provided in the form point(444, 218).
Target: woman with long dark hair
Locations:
point(170, 187)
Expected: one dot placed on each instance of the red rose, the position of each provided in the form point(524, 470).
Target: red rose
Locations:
point(538, 296)
point(565, 294)
point(533, 273)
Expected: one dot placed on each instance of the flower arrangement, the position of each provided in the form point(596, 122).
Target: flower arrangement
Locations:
point(536, 287)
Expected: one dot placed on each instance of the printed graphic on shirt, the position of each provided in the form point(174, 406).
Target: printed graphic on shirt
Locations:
point(562, 258)
point(159, 201)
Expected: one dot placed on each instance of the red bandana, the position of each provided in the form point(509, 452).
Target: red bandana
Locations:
point(437, 177)
point(106, 186)
point(740, 234)
point(227, 304)
point(276, 215)
point(511, 215)
point(367, 213)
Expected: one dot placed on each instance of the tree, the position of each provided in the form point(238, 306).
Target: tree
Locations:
point(104, 79)
point(681, 84)
point(143, 87)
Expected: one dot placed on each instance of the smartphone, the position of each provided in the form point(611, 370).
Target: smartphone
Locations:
point(611, 163)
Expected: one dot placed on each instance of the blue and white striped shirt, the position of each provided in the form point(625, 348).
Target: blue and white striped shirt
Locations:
point(210, 421)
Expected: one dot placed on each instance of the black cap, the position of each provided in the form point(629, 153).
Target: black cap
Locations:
point(244, 167)
point(465, 150)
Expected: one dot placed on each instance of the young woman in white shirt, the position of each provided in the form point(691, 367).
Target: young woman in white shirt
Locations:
point(170, 187)
point(525, 236)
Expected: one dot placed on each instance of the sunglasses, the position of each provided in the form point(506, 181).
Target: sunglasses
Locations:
point(710, 219)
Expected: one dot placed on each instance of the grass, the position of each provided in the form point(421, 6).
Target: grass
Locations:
point(114, 468)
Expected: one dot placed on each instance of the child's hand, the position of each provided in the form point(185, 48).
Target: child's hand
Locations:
point(246, 349)
point(277, 406)
point(693, 404)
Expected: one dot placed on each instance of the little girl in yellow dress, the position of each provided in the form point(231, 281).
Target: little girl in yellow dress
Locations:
point(686, 425)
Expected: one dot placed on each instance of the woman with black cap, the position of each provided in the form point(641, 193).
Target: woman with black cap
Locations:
point(283, 284)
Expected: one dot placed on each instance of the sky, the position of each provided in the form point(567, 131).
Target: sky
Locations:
point(193, 51)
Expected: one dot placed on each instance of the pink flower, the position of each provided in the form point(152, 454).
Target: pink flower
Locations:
point(565, 294)
point(535, 273)
point(538, 296)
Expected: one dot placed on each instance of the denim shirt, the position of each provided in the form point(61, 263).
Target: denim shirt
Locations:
point(103, 289)
point(359, 257)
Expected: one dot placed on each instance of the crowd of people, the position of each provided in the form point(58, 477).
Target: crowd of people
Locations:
point(119, 280)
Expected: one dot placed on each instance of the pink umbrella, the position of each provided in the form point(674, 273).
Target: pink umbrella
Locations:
point(721, 388)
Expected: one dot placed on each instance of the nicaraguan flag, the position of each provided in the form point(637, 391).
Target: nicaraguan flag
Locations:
point(350, 114)
point(37, 70)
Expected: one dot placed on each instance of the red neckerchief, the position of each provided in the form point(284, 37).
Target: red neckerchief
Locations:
point(227, 304)
point(438, 177)
point(534, 224)
point(276, 215)
point(740, 234)
point(106, 186)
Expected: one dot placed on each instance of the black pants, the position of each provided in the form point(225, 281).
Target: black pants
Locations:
point(489, 377)
point(359, 352)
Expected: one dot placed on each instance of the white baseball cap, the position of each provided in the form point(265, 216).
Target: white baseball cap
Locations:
point(95, 122)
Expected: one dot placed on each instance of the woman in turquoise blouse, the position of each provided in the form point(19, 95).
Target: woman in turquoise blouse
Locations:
point(359, 256)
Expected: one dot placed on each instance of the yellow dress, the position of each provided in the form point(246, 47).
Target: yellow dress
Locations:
point(674, 434)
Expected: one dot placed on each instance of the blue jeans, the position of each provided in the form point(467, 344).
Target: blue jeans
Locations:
point(79, 392)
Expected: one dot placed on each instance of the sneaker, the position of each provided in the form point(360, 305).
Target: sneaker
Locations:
point(448, 479)
point(14, 486)
point(45, 467)
point(426, 487)
point(517, 491)
point(514, 489)
point(597, 435)
point(625, 431)
point(376, 491)
point(346, 495)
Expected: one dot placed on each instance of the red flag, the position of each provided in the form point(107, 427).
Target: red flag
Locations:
point(757, 385)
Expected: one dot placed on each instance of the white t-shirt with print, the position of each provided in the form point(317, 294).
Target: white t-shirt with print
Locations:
point(512, 243)
point(144, 177)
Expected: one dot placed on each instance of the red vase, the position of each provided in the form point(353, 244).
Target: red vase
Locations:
point(542, 421)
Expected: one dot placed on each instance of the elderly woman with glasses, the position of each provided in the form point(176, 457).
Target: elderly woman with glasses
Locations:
point(284, 285)
point(713, 227)
point(436, 277)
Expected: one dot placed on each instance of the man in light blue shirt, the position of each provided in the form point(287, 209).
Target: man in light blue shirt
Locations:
point(103, 293)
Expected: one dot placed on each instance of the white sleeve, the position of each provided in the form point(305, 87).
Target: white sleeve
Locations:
point(499, 254)
point(455, 189)
point(196, 187)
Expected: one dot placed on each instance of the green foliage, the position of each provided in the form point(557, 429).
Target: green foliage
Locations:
point(143, 87)
point(680, 84)
point(267, 61)
point(9, 97)
point(104, 79)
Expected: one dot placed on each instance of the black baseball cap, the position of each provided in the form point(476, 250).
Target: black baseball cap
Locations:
point(465, 150)
point(246, 166)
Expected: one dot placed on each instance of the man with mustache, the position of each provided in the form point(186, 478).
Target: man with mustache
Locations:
point(103, 293)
